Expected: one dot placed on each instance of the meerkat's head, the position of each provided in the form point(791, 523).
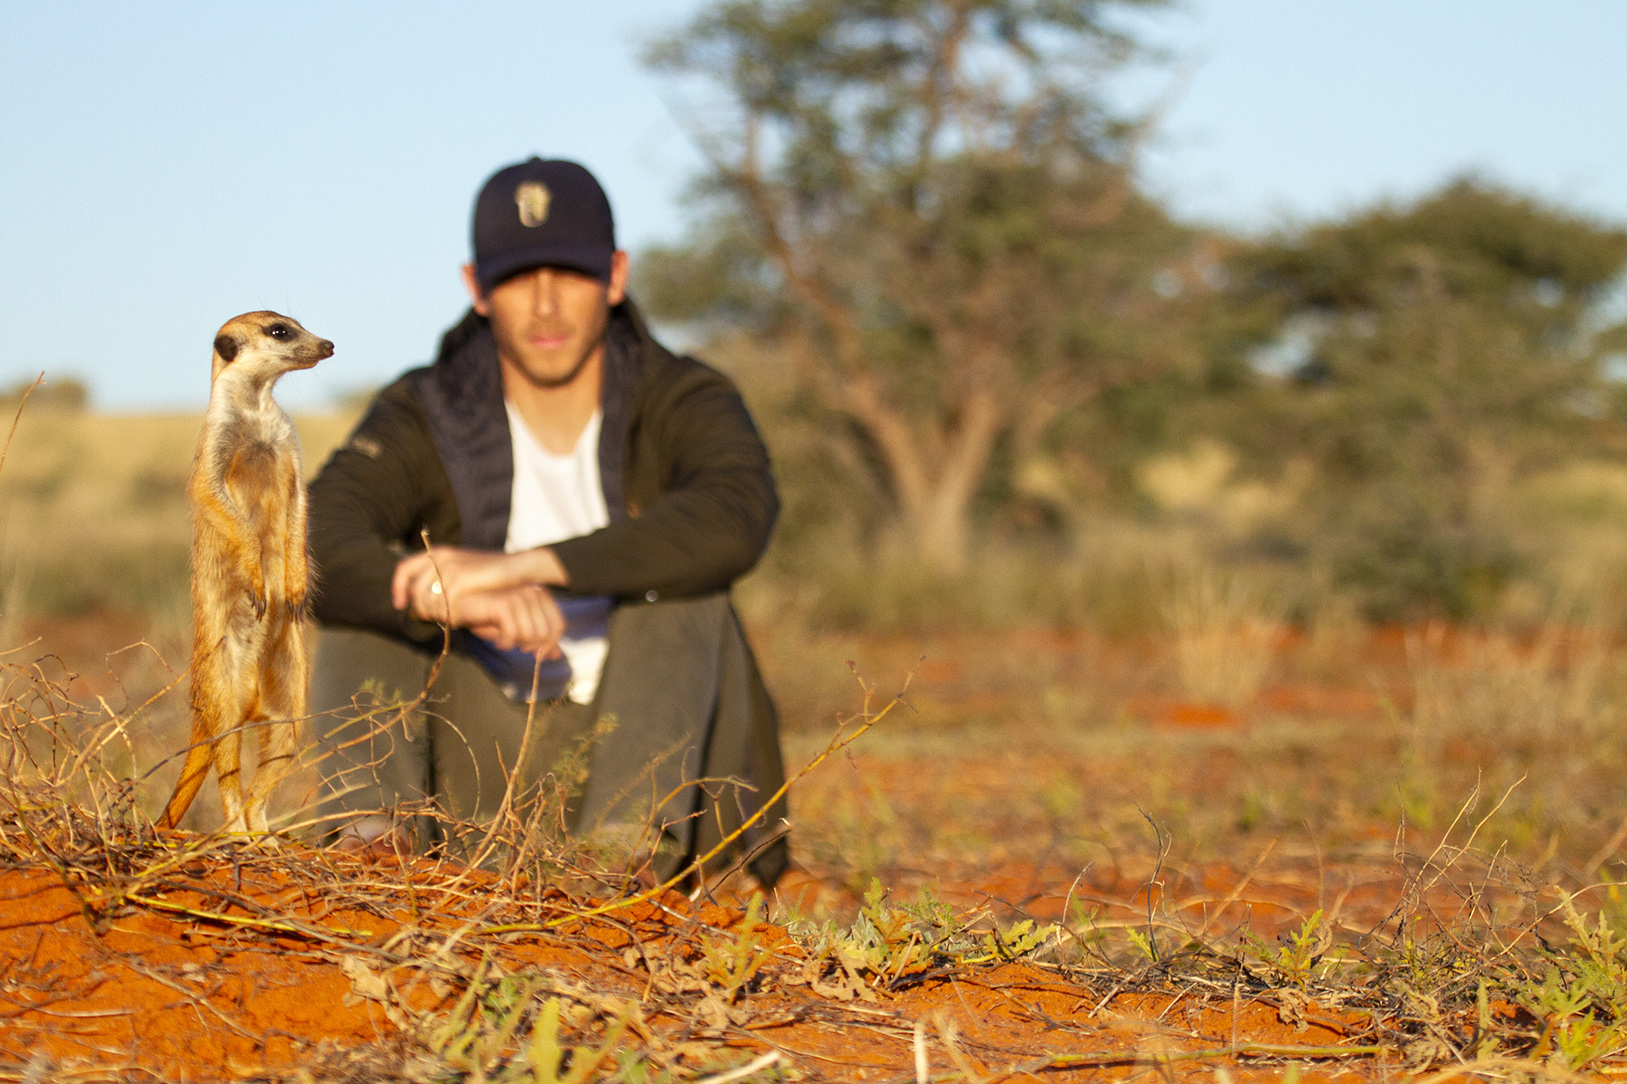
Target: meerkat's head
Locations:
point(264, 345)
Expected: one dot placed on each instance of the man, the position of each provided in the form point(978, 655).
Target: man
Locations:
point(589, 498)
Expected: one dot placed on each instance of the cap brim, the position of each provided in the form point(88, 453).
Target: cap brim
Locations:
point(588, 259)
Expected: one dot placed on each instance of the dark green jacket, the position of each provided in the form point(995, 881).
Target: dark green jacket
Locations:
point(685, 474)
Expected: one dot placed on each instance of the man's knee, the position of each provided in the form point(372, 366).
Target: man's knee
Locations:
point(354, 664)
point(370, 749)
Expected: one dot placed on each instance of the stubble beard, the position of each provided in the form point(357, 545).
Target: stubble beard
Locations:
point(546, 382)
point(551, 382)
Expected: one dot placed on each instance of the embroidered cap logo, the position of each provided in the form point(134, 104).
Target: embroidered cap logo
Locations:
point(532, 199)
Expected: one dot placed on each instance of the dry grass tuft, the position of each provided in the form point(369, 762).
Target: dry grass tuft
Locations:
point(1226, 634)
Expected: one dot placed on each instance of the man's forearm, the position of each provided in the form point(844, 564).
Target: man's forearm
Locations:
point(542, 566)
point(425, 582)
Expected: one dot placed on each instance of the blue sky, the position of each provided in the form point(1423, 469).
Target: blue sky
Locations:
point(166, 165)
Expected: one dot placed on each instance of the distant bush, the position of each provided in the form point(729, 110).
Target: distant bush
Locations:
point(1427, 358)
point(54, 393)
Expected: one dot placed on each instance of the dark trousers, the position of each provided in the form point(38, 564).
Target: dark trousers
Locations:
point(691, 724)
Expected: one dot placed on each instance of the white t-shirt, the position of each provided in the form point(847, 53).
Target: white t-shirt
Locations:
point(557, 497)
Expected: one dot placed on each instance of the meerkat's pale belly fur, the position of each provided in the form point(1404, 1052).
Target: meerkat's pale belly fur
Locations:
point(250, 571)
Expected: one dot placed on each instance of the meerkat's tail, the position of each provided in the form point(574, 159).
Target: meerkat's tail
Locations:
point(193, 773)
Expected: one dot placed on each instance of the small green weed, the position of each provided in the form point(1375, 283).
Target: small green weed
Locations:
point(1297, 955)
point(508, 1033)
point(893, 945)
point(731, 964)
point(1582, 996)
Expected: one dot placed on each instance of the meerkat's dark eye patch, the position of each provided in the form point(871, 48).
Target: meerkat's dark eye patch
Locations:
point(281, 332)
point(226, 347)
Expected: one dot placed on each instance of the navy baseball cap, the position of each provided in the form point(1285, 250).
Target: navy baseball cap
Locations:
point(542, 213)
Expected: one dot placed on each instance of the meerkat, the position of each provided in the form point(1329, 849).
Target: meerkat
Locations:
point(250, 570)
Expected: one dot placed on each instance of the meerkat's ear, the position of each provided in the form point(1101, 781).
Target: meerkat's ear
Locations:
point(226, 347)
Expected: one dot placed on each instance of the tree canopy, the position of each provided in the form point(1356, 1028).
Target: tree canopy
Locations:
point(928, 203)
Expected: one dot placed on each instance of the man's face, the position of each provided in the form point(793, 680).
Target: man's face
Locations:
point(550, 321)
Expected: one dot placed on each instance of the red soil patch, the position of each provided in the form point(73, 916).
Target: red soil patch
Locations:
point(177, 998)
point(230, 970)
point(1182, 714)
point(180, 999)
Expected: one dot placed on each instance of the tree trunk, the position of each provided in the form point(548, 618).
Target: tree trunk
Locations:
point(935, 475)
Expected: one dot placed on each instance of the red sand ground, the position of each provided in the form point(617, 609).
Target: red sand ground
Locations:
point(149, 987)
point(172, 996)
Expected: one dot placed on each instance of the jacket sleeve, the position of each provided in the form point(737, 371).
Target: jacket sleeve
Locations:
point(712, 517)
point(367, 507)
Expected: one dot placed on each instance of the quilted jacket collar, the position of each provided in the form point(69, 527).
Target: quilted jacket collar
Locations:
point(462, 397)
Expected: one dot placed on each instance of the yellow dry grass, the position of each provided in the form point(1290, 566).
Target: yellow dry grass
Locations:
point(93, 506)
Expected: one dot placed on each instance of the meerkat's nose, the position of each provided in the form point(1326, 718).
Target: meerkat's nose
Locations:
point(326, 347)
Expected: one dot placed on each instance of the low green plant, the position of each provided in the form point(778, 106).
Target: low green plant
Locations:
point(893, 945)
point(732, 963)
point(897, 943)
point(1025, 938)
point(509, 1033)
point(1296, 956)
point(1582, 995)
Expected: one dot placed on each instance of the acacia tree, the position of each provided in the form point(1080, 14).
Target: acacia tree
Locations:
point(928, 195)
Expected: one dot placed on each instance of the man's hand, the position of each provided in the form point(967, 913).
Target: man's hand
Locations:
point(514, 615)
point(463, 571)
point(525, 617)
